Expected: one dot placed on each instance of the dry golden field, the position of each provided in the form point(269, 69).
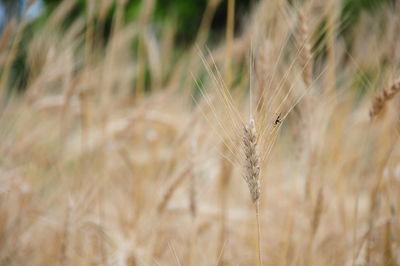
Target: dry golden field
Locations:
point(275, 145)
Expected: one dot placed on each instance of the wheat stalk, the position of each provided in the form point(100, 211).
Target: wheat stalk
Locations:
point(314, 223)
point(64, 254)
point(171, 189)
point(318, 208)
point(387, 252)
point(224, 180)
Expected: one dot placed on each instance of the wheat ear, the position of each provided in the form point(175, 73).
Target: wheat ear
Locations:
point(252, 161)
point(252, 175)
point(380, 100)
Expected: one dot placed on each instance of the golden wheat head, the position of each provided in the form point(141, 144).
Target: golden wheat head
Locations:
point(252, 160)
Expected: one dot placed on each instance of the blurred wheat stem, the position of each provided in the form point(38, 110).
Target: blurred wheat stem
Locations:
point(259, 262)
point(225, 175)
point(12, 54)
point(331, 13)
point(206, 22)
point(229, 41)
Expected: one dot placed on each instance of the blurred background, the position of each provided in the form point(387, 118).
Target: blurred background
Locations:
point(188, 14)
point(122, 136)
point(184, 16)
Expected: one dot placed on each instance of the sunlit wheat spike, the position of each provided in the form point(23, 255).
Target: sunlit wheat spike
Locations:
point(252, 160)
point(382, 98)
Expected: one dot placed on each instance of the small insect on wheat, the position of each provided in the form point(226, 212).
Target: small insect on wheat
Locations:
point(278, 120)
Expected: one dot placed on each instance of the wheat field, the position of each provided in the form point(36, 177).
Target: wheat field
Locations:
point(276, 144)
